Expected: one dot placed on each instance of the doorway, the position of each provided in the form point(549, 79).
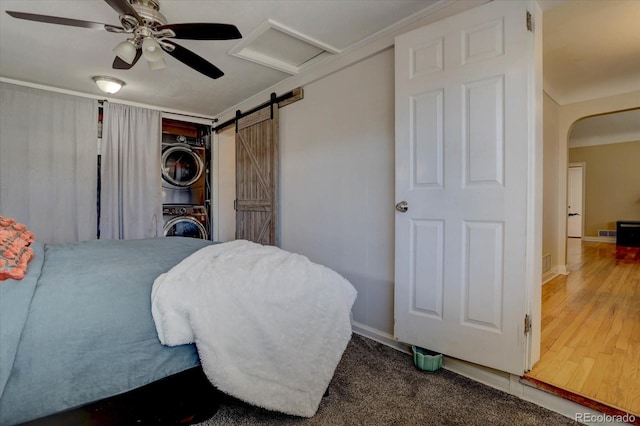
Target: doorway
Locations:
point(576, 328)
point(589, 317)
point(588, 320)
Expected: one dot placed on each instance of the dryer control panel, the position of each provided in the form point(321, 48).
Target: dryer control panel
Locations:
point(178, 139)
point(183, 209)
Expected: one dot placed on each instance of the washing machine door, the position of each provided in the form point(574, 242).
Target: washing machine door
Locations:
point(185, 226)
point(181, 165)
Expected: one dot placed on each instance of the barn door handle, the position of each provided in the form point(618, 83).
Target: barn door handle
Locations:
point(402, 206)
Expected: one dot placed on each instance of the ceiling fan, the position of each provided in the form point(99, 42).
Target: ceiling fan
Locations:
point(150, 35)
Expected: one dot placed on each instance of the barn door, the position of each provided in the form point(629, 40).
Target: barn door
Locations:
point(256, 176)
point(462, 147)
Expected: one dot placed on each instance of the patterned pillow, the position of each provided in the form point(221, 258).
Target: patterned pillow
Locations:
point(15, 252)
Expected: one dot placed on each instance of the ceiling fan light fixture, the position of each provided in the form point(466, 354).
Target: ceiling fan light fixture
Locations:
point(144, 24)
point(151, 50)
point(108, 85)
point(157, 65)
point(126, 51)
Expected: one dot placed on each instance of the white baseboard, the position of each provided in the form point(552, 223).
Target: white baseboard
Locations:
point(600, 239)
point(562, 269)
point(379, 336)
point(500, 380)
point(549, 275)
point(554, 272)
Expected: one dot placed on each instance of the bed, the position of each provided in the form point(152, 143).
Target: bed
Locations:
point(79, 326)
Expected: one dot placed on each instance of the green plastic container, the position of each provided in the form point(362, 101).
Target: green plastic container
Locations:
point(426, 360)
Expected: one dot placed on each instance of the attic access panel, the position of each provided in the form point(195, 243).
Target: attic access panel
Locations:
point(277, 46)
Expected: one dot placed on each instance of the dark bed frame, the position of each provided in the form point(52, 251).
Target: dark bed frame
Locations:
point(181, 399)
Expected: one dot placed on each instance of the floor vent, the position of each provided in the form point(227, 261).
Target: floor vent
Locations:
point(606, 233)
point(546, 263)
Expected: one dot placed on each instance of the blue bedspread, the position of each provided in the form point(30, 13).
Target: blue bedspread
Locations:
point(79, 328)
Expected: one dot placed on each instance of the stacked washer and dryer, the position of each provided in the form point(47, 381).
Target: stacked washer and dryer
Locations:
point(185, 195)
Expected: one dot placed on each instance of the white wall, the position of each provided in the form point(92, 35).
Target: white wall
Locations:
point(551, 190)
point(337, 181)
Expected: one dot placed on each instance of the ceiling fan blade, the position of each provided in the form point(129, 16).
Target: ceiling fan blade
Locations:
point(196, 62)
point(203, 31)
point(123, 7)
point(62, 21)
point(119, 64)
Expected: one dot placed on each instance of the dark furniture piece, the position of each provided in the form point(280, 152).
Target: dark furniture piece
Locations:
point(628, 233)
point(181, 399)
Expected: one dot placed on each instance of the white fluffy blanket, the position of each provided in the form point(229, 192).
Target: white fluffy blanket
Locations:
point(270, 326)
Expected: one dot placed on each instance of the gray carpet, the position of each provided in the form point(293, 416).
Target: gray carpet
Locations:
point(375, 384)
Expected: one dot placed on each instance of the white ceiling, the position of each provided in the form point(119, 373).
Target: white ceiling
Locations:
point(67, 57)
point(591, 48)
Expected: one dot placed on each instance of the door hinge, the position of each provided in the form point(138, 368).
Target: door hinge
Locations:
point(529, 21)
point(527, 324)
point(235, 204)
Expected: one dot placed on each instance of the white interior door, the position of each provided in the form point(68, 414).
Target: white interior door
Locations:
point(575, 201)
point(225, 166)
point(462, 166)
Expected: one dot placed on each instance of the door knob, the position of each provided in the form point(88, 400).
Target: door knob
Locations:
point(402, 206)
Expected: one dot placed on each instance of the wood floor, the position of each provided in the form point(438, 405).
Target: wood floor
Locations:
point(591, 326)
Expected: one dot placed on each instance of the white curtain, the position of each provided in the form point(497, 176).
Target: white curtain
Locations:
point(48, 152)
point(131, 194)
